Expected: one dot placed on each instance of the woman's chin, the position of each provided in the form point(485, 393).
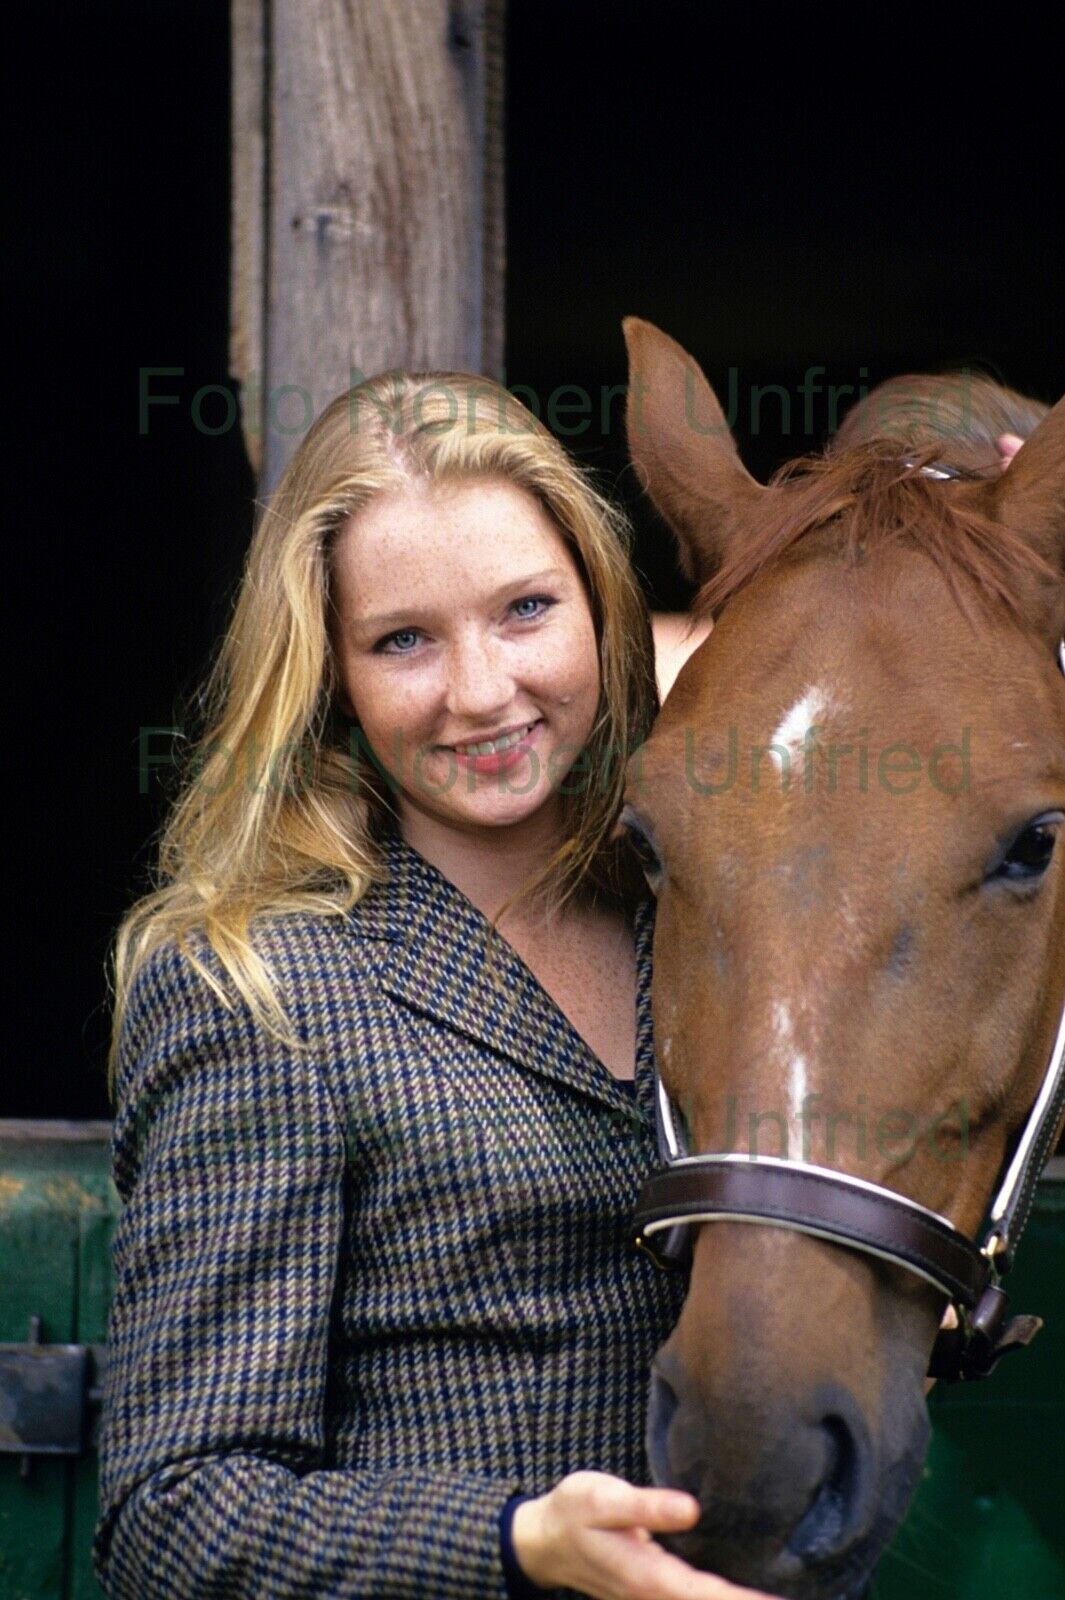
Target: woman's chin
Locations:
point(485, 807)
point(490, 810)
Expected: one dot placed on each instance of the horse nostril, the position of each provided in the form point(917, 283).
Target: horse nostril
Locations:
point(823, 1530)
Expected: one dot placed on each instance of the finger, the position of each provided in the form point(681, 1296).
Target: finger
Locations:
point(689, 1584)
point(602, 1500)
point(1007, 445)
point(655, 1571)
point(621, 1505)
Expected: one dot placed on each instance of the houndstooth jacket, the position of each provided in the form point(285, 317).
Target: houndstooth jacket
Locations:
point(362, 1297)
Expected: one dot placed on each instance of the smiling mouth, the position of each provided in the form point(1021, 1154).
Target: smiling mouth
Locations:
point(491, 747)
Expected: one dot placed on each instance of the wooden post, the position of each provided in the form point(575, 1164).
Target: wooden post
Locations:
point(367, 223)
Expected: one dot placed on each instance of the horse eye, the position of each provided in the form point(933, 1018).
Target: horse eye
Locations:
point(640, 844)
point(1029, 853)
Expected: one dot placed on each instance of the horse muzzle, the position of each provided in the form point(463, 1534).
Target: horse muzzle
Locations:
point(804, 1506)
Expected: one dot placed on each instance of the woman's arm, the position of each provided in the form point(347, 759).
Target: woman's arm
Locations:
point(215, 1474)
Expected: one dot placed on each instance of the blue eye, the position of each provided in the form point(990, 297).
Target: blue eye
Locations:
point(537, 600)
point(404, 640)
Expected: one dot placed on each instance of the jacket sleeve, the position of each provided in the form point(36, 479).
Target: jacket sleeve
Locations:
point(215, 1473)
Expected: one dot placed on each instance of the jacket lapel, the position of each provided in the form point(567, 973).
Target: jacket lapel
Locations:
point(435, 962)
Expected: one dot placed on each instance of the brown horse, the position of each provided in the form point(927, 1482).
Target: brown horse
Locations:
point(850, 809)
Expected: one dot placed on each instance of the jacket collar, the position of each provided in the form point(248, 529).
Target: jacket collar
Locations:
point(433, 961)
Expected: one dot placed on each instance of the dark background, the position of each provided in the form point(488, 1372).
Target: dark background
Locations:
point(868, 194)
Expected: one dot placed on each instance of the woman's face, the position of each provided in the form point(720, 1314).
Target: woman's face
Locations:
point(463, 624)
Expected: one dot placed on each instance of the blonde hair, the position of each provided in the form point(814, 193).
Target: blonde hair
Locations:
point(308, 840)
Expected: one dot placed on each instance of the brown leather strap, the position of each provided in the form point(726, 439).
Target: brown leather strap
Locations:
point(798, 1197)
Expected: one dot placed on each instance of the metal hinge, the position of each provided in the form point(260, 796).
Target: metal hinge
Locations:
point(50, 1397)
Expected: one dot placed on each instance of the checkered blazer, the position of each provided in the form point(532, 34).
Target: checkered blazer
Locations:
point(361, 1298)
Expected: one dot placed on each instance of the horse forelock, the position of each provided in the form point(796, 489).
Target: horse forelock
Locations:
point(872, 496)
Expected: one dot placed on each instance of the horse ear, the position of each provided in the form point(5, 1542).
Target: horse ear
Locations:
point(683, 450)
point(1030, 494)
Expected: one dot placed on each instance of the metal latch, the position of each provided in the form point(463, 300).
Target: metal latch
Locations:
point(50, 1397)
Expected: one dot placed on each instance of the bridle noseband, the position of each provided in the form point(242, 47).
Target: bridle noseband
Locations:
point(867, 1217)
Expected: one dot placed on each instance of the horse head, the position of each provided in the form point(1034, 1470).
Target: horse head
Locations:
point(851, 810)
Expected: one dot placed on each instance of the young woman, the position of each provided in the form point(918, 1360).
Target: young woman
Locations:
point(382, 1060)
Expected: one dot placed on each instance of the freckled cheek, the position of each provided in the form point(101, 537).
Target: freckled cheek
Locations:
point(566, 670)
point(387, 711)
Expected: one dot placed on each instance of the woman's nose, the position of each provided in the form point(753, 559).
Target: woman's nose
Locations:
point(479, 681)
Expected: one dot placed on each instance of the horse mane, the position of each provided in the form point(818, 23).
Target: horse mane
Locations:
point(867, 488)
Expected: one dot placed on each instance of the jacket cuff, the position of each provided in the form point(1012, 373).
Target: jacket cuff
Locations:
point(519, 1586)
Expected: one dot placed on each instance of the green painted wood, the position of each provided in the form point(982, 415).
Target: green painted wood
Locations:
point(58, 1207)
point(968, 1538)
point(96, 1224)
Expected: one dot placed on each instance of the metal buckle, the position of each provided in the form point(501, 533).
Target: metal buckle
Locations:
point(932, 470)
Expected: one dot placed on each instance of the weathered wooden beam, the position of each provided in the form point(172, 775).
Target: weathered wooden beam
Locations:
point(247, 214)
point(367, 201)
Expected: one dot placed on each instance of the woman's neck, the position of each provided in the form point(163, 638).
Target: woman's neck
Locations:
point(488, 864)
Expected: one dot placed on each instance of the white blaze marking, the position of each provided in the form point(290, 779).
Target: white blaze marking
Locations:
point(798, 1094)
point(794, 724)
point(797, 1078)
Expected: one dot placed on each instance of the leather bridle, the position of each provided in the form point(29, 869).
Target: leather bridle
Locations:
point(865, 1216)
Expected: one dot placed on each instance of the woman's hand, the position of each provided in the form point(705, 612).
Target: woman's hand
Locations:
point(1007, 445)
point(592, 1532)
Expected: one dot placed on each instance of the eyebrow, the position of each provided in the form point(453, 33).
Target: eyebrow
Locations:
point(412, 613)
